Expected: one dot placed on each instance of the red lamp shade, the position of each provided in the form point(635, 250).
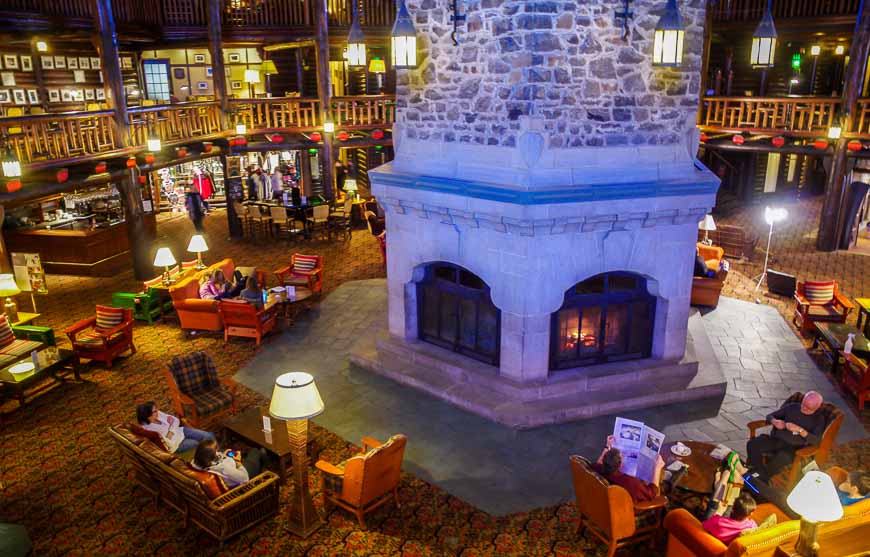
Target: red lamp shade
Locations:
point(182, 151)
point(131, 162)
point(778, 141)
point(143, 179)
point(277, 138)
point(854, 145)
point(62, 175)
point(379, 134)
point(315, 136)
point(13, 185)
point(820, 144)
point(149, 158)
point(738, 140)
point(207, 146)
point(704, 136)
point(100, 168)
point(343, 136)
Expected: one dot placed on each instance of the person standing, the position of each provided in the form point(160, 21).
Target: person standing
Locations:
point(252, 184)
point(264, 187)
point(193, 203)
point(202, 183)
point(277, 182)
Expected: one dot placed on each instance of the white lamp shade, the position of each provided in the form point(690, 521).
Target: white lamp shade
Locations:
point(774, 215)
point(707, 224)
point(350, 184)
point(164, 258)
point(153, 143)
point(197, 244)
point(241, 128)
point(815, 498)
point(329, 127)
point(668, 47)
point(295, 397)
point(356, 54)
point(252, 76)
point(8, 287)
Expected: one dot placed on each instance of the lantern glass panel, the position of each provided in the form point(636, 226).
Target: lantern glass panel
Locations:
point(763, 49)
point(12, 169)
point(668, 47)
point(356, 54)
point(404, 51)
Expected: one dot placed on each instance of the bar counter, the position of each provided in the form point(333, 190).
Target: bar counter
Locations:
point(72, 248)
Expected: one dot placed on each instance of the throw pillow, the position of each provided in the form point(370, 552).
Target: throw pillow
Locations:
point(768, 522)
point(7, 337)
point(304, 262)
point(108, 317)
point(819, 292)
point(213, 485)
point(152, 436)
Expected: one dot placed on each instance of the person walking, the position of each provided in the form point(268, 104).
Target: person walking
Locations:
point(202, 183)
point(193, 202)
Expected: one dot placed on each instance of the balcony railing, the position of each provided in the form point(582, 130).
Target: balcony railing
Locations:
point(752, 10)
point(365, 111)
point(282, 113)
point(65, 136)
point(175, 123)
point(809, 116)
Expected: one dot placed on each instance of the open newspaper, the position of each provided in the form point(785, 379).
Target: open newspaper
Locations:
point(639, 445)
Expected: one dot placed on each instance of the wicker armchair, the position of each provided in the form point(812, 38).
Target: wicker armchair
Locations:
point(364, 482)
point(197, 391)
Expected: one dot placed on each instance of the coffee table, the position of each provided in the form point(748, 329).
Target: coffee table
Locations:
point(698, 479)
point(863, 314)
point(49, 366)
point(286, 304)
point(248, 426)
point(830, 338)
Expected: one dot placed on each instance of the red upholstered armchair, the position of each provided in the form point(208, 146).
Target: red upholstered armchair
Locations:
point(856, 378)
point(197, 391)
point(242, 319)
point(819, 301)
point(304, 270)
point(105, 336)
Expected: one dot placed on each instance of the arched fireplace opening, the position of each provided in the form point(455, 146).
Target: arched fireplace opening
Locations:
point(606, 318)
point(455, 311)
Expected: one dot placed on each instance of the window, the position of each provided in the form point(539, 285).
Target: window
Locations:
point(157, 80)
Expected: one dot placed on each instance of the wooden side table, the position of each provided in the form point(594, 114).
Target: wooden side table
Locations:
point(26, 318)
point(863, 314)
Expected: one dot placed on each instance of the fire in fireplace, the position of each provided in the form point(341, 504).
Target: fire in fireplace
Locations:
point(606, 318)
point(455, 311)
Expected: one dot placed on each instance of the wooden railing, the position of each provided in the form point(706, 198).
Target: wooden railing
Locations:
point(807, 116)
point(862, 118)
point(751, 10)
point(64, 136)
point(280, 113)
point(174, 123)
point(364, 111)
point(140, 12)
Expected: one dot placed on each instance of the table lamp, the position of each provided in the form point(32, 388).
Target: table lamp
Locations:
point(252, 77)
point(197, 244)
point(707, 225)
point(815, 499)
point(350, 186)
point(164, 258)
point(9, 288)
point(295, 399)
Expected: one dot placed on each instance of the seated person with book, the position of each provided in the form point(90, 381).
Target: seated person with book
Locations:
point(177, 438)
point(252, 293)
point(229, 464)
point(855, 488)
point(726, 528)
point(608, 465)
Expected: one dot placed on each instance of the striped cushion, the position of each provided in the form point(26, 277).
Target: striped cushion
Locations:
point(108, 317)
point(6, 334)
point(185, 265)
point(304, 262)
point(21, 347)
point(819, 292)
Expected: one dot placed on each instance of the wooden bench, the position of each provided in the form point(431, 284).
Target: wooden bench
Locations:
point(736, 241)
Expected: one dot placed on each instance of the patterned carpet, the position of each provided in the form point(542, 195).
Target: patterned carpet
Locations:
point(64, 480)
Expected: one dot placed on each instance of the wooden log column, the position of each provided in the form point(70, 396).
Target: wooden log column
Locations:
point(832, 220)
point(215, 48)
point(324, 93)
point(300, 75)
point(5, 263)
point(129, 188)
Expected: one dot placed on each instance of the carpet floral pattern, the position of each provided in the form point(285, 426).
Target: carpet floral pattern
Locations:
point(63, 477)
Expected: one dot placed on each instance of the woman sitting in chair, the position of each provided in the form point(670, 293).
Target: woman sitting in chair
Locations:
point(228, 464)
point(252, 293)
point(217, 287)
point(610, 462)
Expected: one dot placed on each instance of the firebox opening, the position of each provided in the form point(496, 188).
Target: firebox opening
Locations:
point(606, 318)
point(455, 311)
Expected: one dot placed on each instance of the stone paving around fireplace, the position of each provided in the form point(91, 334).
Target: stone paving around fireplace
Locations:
point(495, 468)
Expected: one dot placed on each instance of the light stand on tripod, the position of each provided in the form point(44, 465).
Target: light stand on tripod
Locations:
point(771, 216)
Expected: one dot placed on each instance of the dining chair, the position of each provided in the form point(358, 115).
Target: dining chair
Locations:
point(280, 220)
point(259, 221)
point(319, 219)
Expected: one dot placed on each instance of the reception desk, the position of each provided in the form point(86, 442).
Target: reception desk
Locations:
point(78, 250)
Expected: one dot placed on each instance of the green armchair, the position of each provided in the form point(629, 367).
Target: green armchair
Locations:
point(45, 335)
point(145, 305)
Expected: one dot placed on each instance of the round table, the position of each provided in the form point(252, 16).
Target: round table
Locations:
point(286, 303)
point(698, 479)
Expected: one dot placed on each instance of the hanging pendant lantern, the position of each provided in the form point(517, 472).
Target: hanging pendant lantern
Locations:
point(403, 40)
point(11, 164)
point(764, 41)
point(153, 143)
point(669, 34)
point(356, 42)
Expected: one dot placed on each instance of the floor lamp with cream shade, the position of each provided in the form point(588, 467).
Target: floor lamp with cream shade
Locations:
point(295, 399)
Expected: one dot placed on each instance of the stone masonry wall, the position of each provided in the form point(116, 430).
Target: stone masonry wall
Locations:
point(563, 61)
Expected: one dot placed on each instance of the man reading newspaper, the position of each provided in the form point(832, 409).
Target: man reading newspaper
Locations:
point(631, 459)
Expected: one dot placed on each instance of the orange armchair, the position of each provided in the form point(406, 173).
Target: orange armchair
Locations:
point(242, 319)
point(104, 336)
point(608, 511)
point(364, 482)
point(855, 378)
point(789, 477)
point(819, 301)
point(706, 290)
point(197, 391)
point(304, 270)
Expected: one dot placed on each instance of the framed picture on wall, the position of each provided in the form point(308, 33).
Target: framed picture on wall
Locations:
point(178, 73)
point(8, 79)
point(54, 95)
point(66, 96)
point(47, 62)
point(234, 57)
point(19, 96)
point(79, 76)
point(202, 85)
point(199, 58)
point(126, 63)
point(72, 63)
point(59, 62)
point(5, 96)
point(84, 62)
point(79, 95)
point(89, 94)
point(10, 61)
point(95, 63)
point(209, 71)
point(26, 63)
point(100, 94)
point(235, 84)
point(33, 96)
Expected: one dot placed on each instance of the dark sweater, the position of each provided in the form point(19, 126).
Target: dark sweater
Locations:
point(814, 423)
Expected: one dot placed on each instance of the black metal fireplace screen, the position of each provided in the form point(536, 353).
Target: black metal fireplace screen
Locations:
point(606, 318)
point(455, 311)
